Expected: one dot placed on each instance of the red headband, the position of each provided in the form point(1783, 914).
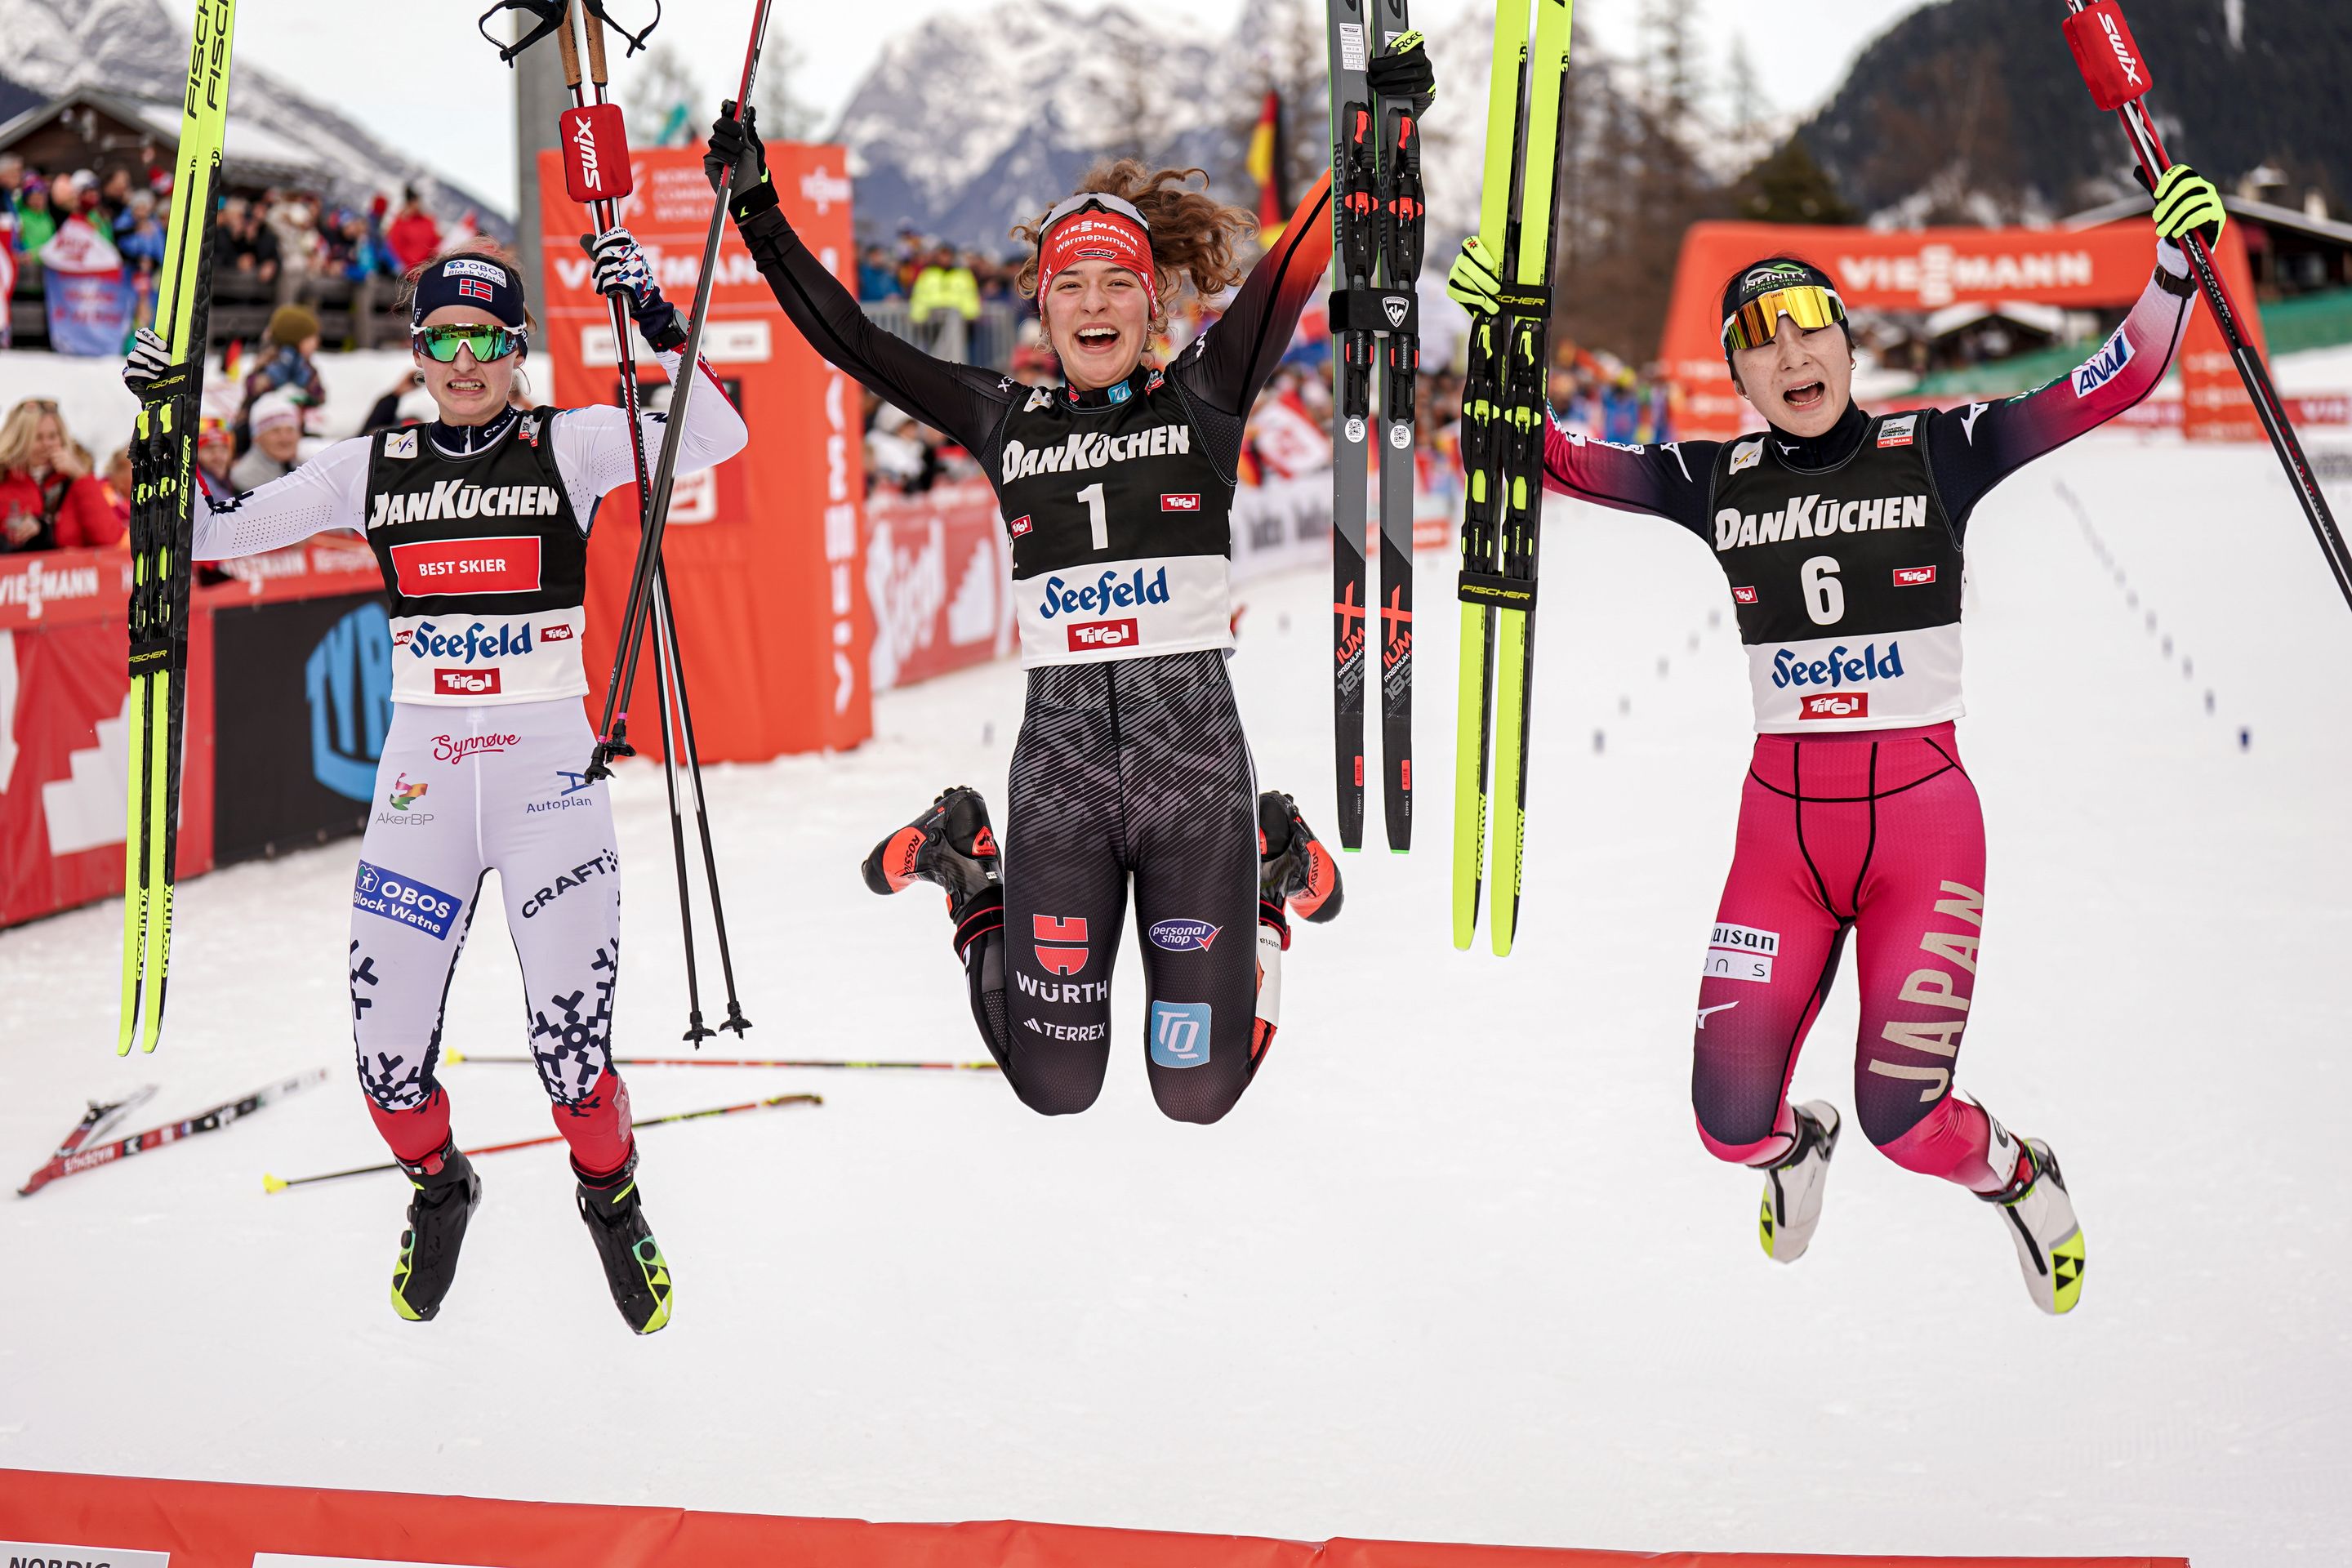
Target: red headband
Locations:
point(1097, 235)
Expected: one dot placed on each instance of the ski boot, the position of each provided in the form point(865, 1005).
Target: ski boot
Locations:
point(949, 844)
point(633, 1266)
point(1793, 1186)
point(2042, 1223)
point(1294, 868)
point(448, 1192)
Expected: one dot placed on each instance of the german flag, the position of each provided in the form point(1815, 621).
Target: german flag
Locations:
point(1265, 163)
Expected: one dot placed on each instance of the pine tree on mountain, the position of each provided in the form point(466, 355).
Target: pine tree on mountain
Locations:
point(1789, 186)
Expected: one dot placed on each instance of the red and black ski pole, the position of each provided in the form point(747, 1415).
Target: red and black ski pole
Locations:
point(279, 1183)
point(2116, 73)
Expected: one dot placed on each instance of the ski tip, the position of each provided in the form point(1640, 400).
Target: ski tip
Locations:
point(270, 1184)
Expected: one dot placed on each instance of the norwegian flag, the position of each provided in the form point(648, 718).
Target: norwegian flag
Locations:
point(475, 289)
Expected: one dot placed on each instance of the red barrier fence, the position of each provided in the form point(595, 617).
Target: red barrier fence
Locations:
point(126, 1522)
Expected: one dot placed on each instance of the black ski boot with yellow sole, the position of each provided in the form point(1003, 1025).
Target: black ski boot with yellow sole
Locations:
point(448, 1192)
point(634, 1266)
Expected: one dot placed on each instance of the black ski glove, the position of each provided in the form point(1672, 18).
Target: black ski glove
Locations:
point(737, 144)
point(1404, 70)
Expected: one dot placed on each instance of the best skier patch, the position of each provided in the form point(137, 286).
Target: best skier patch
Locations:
point(405, 901)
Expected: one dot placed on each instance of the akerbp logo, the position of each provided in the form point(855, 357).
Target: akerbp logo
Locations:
point(1183, 936)
point(404, 900)
point(1179, 1032)
point(405, 793)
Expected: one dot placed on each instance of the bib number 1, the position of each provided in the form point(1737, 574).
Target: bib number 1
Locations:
point(1097, 515)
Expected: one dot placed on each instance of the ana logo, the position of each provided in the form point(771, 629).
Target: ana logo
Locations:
point(1063, 960)
point(1179, 1032)
point(403, 794)
point(1747, 454)
point(560, 632)
point(1897, 432)
point(1835, 705)
point(2103, 366)
point(1913, 577)
point(465, 682)
point(1183, 936)
point(1743, 595)
point(399, 444)
point(1019, 527)
point(1093, 637)
point(1180, 503)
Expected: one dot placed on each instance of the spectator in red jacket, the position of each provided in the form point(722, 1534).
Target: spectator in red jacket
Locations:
point(47, 500)
point(412, 235)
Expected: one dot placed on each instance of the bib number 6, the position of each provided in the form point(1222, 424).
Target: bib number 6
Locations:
point(1824, 594)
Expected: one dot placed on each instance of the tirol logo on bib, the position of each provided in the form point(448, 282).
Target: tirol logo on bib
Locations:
point(1093, 637)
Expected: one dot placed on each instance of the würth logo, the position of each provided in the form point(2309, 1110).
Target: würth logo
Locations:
point(1180, 503)
point(1913, 577)
point(465, 682)
point(1092, 636)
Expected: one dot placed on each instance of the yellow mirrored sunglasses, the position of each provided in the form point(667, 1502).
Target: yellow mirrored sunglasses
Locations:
point(1809, 305)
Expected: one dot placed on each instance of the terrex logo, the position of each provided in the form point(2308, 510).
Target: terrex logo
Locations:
point(1841, 705)
point(1180, 503)
point(1913, 577)
point(465, 682)
point(1090, 636)
point(2122, 51)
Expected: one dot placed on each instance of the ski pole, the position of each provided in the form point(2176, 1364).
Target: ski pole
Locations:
point(212, 1121)
point(735, 1020)
point(664, 648)
point(726, 1062)
point(614, 731)
point(2116, 73)
point(270, 1184)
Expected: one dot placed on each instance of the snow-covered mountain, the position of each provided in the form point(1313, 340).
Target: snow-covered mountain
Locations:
point(138, 49)
point(972, 121)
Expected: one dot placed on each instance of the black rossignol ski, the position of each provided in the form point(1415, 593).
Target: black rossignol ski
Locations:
point(1377, 228)
point(213, 1120)
point(1504, 417)
point(163, 479)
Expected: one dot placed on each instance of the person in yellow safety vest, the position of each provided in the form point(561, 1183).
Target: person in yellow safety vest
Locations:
point(945, 303)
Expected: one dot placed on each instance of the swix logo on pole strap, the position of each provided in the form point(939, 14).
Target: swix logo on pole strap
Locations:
point(2106, 55)
point(1059, 960)
point(508, 565)
point(595, 154)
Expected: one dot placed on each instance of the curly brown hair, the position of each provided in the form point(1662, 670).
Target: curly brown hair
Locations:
point(1193, 234)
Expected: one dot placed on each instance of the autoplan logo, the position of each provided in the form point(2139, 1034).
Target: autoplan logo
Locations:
point(348, 681)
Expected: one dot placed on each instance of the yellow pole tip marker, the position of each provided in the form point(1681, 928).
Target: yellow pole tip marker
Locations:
point(270, 1184)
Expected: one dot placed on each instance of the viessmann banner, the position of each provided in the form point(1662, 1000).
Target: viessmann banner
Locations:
point(1925, 269)
point(763, 552)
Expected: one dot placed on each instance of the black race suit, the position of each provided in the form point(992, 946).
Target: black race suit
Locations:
point(1131, 761)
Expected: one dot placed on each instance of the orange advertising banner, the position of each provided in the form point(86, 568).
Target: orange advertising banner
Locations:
point(763, 552)
point(1927, 269)
point(130, 1523)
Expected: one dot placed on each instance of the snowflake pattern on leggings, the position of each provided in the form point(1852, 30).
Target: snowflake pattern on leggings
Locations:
point(575, 1048)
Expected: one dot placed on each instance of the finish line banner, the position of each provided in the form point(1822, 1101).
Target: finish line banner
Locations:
point(126, 1522)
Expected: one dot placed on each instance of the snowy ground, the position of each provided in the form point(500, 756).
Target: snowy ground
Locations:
point(1457, 1267)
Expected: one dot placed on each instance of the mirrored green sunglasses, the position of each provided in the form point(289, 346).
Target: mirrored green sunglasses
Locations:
point(486, 343)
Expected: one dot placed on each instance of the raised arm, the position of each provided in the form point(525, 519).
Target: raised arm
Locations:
point(591, 444)
point(327, 492)
point(1668, 480)
point(1239, 353)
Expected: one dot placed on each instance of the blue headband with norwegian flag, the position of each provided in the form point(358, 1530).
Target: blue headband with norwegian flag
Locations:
point(475, 280)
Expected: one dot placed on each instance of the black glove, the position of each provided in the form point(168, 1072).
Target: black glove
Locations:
point(1404, 70)
point(736, 144)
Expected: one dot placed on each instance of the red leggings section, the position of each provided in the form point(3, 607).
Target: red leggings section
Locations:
point(1875, 834)
point(598, 1128)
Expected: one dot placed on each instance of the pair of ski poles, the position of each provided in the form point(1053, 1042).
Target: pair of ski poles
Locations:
point(596, 175)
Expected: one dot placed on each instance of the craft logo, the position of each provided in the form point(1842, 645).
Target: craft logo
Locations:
point(405, 901)
point(1020, 527)
point(1913, 577)
point(508, 565)
point(1743, 595)
point(1841, 705)
point(347, 681)
point(2103, 366)
point(1105, 592)
point(457, 748)
point(403, 794)
point(1839, 667)
point(1080, 453)
point(1180, 503)
point(1179, 1032)
point(1183, 936)
point(465, 682)
point(606, 862)
point(1061, 960)
point(1096, 636)
point(1740, 953)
